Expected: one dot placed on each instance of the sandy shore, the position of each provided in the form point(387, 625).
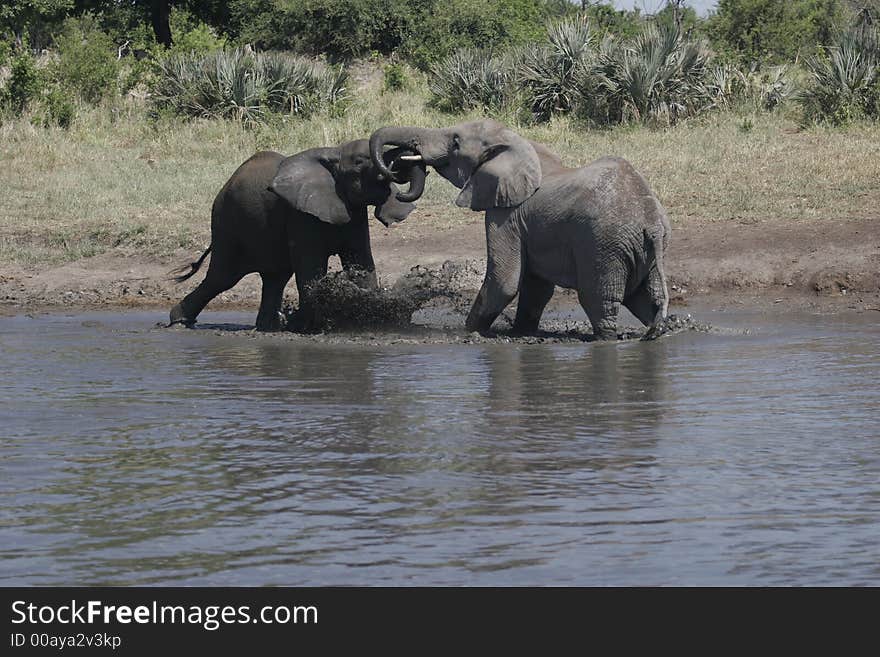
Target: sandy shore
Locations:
point(826, 265)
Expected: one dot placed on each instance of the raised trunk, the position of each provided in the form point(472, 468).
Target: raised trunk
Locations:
point(405, 136)
point(401, 171)
point(417, 177)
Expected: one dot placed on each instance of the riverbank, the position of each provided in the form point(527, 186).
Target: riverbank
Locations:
point(825, 265)
point(761, 210)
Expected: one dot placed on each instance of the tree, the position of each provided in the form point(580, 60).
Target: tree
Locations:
point(160, 16)
point(769, 31)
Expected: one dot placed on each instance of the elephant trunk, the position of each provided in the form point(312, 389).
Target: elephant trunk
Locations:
point(407, 137)
point(402, 169)
point(417, 175)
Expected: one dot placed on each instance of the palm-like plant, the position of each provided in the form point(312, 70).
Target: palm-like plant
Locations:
point(659, 76)
point(845, 79)
point(550, 72)
point(246, 86)
point(469, 79)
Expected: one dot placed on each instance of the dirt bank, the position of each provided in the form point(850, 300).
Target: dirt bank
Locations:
point(827, 265)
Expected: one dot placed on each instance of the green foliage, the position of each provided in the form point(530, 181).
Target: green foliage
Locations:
point(33, 20)
point(5, 49)
point(87, 64)
point(471, 79)
point(24, 84)
point(57, 109)
point(193, 35)
point(443, 26)
point(395, 77)
point(246, 86)
point(659, 76)
point(621, 23)
point(769, 31)
point(845, 79)
point(551, 72)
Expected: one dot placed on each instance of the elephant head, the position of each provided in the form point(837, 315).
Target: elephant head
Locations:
point(492, 165)
point(335, 183)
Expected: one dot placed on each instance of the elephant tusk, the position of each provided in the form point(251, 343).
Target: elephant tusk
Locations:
point(410, 158)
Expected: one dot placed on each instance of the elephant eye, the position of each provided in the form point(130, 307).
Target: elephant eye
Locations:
point(456, 143)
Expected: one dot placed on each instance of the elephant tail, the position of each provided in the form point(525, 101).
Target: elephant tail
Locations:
point(181, 274)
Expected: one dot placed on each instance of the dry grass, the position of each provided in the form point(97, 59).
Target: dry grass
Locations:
point(117, 181)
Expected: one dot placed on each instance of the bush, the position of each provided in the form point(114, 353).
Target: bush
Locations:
point(57, 109)
point(87, 64)
point(193, 35)
point(470, 79)
point(659, 77)
point(394, 77)
point(845, 80)
point(550, 72)
point(24, 84)
point(769, 31)
point(246, 86)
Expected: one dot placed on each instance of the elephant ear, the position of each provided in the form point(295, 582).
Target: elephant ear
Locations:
point(509, 173)
point(306, 181)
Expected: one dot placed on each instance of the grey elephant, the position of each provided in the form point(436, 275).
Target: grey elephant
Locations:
point(598, 229)
point(281, 216)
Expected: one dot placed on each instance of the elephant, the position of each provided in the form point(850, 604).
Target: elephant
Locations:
point(281, 216)
point(598, 228)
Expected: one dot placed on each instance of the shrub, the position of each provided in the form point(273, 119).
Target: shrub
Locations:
point(470, 79)
point(394, 77)
point(550, 72)
point(193, 35)
point(845, 80)
point(87, 62)
point(769, 31)
point(246, 86)
point(23, 85)
point(57, 109)
point(659, 77)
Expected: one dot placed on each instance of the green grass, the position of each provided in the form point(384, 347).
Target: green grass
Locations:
point(116, 181)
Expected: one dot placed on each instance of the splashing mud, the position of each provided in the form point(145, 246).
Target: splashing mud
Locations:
point(340, 303)
point(429, 305)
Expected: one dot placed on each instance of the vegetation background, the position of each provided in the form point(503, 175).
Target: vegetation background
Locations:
point(120, 119)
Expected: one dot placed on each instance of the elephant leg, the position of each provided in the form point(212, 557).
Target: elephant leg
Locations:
point(534, 295)
point(360, 269)
point(269, 318)
point(503, 270)
point(357, 256)
point(218, 279)
point(601, 298)
point(310, 268)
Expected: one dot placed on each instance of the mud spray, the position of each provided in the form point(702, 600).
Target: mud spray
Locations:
point(437, 298)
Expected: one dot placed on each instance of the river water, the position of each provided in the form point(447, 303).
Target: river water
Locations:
point(131, 455)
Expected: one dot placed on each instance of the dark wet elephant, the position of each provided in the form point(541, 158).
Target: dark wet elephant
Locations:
point(598, 229)
point(281, 216)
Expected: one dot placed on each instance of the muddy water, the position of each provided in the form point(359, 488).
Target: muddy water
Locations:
point(131, 455)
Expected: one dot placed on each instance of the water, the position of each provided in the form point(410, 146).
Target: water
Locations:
point(130, 455)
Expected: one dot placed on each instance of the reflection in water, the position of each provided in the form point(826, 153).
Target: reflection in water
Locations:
point(135, 456)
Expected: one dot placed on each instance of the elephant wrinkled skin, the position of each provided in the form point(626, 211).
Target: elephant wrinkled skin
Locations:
point(598, 229)
point(281, 216)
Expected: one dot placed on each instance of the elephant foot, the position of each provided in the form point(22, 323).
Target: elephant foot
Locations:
point(605, 334)
point(272, 324)
point(522, 329)
point(178, 319)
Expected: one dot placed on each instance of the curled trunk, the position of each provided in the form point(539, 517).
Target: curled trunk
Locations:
point(405, 137)
point(401, 171)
